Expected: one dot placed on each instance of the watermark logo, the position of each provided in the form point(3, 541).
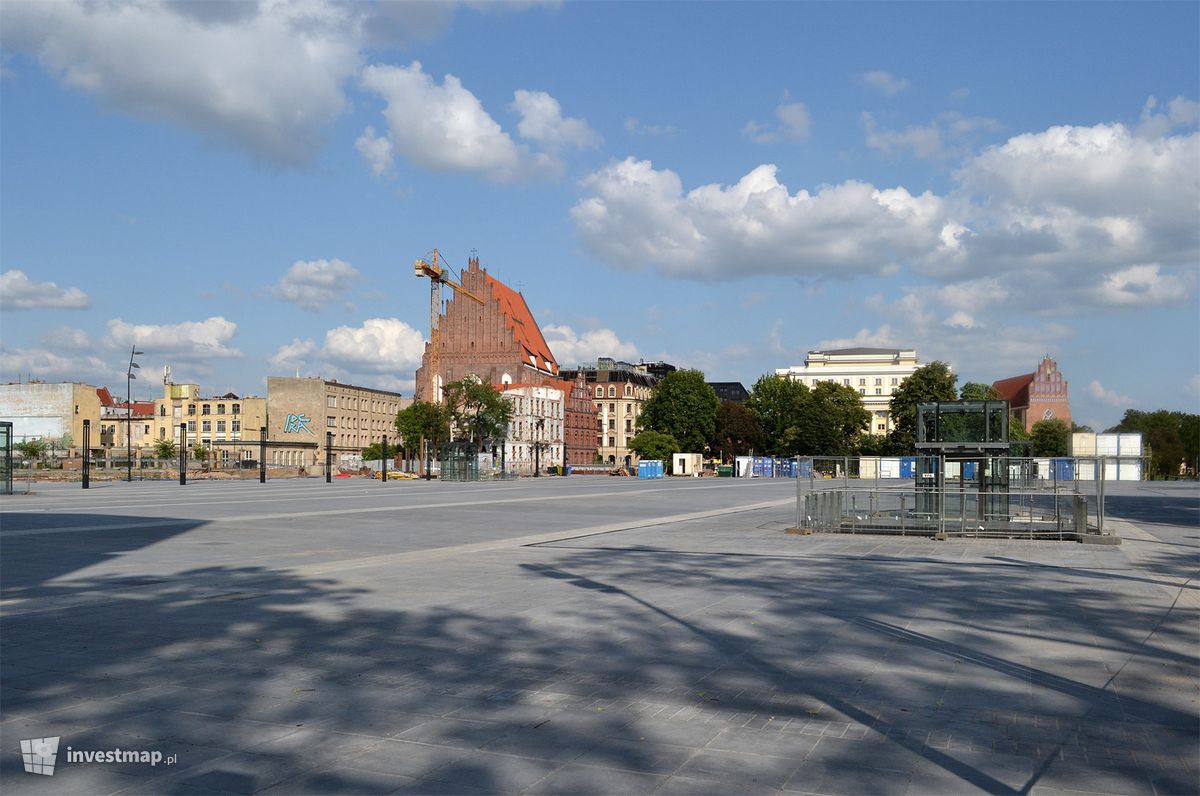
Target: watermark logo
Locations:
point(39, 755)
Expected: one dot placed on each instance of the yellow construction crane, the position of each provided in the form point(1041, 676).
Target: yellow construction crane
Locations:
point(437, 276)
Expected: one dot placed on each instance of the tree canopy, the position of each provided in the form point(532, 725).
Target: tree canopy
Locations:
point(828, 420)
point(737, 431)
point(932, 382)
point(479, 413)
point(423, 420)
point(1050, 437)
point(655, 445)
point(166, 448)
point(683, 406)
point(974, 391)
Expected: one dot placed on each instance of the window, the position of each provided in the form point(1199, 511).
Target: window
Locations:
point(191, 409)
point(862, 390)
point(893, 380)
point(220, 409)
point(846, 382)
point(600, 423)
point(599, 392)
point(235, 426)
point(878, 382)
point(612, 424)
point(331, 401)
point(237, 409)
point(162, 410)
point(628, 425)
point(206, 425)
point(220, 426)
point(206, 409)
point(146, 429)
point(628, 390)
point(331, 422)
point(162, 433)
point(192, 426)
point(612, 391)
point(879, 391)
point(862, 382)
point(881, 427)
point(612, 408)
point(76, 408)
point(612, 442)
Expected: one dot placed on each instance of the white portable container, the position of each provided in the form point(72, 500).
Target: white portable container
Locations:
point(1083, 443)
point(1107, 444)
point(889, 468)
point(1129, 445)
point(868, 467)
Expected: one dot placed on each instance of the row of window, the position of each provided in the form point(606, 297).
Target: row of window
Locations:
point(363, 404)
point(205, 409)
point(612, 390)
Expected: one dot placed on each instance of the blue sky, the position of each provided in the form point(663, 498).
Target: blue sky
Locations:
point(241, 187)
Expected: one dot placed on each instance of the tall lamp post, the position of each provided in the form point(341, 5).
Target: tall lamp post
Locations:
point(129, 377)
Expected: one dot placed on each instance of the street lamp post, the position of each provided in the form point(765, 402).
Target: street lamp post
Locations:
point(129, 377)
point(537, 448)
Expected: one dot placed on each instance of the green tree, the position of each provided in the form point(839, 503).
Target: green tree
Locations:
point(166, 449)
point(683, 406)
point(32, 450)
point(479, 412)
point(1078, 429)
point(737, 431)
point(974, 391)
point(778, 403)
point(1016, 431)
point(655, 445)
point(199, 452)
point(423, 421)
point(932, 382)
point(835, 420)
point(1050, 437)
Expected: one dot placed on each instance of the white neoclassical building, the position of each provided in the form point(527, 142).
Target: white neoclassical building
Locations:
point(537, 422)
point(875, 372)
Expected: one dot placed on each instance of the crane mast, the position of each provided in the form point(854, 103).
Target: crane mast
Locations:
point(437, 276)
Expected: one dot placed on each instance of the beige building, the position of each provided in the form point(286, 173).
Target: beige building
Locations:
point(876, 373)
point(537, 421)
point(226, 425)
point(301, 411)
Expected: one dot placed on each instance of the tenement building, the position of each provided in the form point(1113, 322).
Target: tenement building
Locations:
point(52, 412)
point(579, 421)
point(301, 411)
point(618, 390)
point(535, 433)
point(875, 372)
point(226, 426)
point(498, 341)
point(1041, 395)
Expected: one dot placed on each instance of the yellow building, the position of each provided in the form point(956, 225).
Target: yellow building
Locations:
point(227, 425)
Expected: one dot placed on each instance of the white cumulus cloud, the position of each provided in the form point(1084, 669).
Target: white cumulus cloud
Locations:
point(189, 340)
point(444, 127)
point(18, 292)
point(292, 356)
point(379, 345)
point(1157, 121)
point(542, 121)
point(1143, 285)
point(574, 348)
point(947, 136)
point(640, 215)
point(793, 123)
point(884, 82)
point(313, 284)
point(1107, 396)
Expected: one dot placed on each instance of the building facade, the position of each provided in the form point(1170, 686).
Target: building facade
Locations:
point(579, 421)
point(497, 341)
point(227, 426)
point(301, 411)
point(732, 391)
point(535, 434)
point(52, 411)
point(1041, 395)
point(618, 390)
point(876, 373)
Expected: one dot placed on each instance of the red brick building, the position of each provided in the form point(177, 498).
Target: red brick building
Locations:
point(498, 341)
point(1041, 395)
point(579, 420)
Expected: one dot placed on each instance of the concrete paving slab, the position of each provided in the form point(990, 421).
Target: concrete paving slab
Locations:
point(587, 635)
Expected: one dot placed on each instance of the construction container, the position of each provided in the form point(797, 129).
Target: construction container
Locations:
point(725, 471)
point(688, 464)
point(868, 468)
point(743, 466)
point(1063, 469)
point(1108, 445)
point(908, 466)
point(1082, 444)
point(889, 468)
point(1129, 445)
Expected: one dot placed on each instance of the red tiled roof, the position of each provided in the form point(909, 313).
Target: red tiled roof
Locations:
point(525, 328)
point(105, 396)
point(1015, 390)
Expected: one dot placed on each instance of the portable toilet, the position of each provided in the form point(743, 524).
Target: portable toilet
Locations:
point(1064, 469)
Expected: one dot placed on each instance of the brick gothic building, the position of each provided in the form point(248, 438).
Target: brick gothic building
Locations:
point(1041, 395)
point(498, 341)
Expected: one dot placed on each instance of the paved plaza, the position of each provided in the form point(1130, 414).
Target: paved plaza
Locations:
point(585, 635)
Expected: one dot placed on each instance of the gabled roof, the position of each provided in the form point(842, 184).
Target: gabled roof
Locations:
point(1015, 389)
point(525, 329)
point(105, 396)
